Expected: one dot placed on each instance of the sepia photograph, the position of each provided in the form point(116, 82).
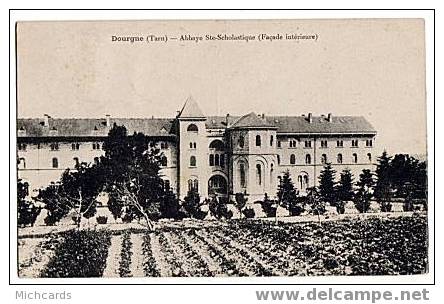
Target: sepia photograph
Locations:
point(221, 148)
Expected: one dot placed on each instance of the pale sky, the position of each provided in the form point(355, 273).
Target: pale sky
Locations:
point(373, 68)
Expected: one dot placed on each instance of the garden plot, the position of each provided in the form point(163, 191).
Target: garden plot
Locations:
point(368, 246)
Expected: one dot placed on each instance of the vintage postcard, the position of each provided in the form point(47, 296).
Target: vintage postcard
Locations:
point(221, 148)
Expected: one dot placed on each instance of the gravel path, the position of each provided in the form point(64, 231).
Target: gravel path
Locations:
point(113, 259)
point(136, 266)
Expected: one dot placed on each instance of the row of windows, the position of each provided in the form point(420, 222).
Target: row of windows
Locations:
point(324, 160)
point(292, 143)
point(259, 175)
point(217, 160)
point(55, 162)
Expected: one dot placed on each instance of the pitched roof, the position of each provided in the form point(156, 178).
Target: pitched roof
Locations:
point(320, 124)
point(90, 127)
point(301, 124)
point(86, 127)
point(190, 110)
point(251, 120)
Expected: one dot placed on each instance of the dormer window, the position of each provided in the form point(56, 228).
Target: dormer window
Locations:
point(53, 131)
point(21, 131)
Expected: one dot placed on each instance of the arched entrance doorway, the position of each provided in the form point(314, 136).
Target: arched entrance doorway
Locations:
point(217, 185)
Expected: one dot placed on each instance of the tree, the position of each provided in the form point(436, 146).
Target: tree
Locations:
point(27, 211)
point(219, 209)
point(131, 166)
point(327, 191)
point(192, 205)
point(288, 195)
point(344, 190)
point(268, 206)
point(75, 192)
point(383, 186)
point(240, 202)
point(314, 201)
point(362, 198)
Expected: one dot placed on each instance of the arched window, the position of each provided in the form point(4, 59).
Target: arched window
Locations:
point(339, 158)
point(76, 162)
point(271, 140)
point(323, 158)
point(369, 156)
point(216, 160)
point(258, 140)
point(259, 174)
point(192, 128)
point(211, 159)
point(271, 173)
point(164, 161)
point(243, 178)
point(55, 162)
point(355, 158)
point(292, 159)
point(222, 160)
point(217, 145)
point(193, 161)
point(241, 141)
point(279, 159)
point(308, 159)
point(193, 185)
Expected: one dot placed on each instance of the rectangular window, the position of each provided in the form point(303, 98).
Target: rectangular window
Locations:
point(369, 143)
point(354, 143)
point(279, 145)
point(307, 144)
point(22, 147)
point(323, 144)
point(339, 143)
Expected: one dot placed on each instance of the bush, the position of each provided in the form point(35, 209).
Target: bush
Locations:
point(386, 207)
point(102, 219)
point(248, 212)
point(81, 254)
point(340, 207)
point(219, 209)
point(268, 206)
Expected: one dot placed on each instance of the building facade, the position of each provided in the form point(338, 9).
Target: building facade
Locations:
point(215, 155)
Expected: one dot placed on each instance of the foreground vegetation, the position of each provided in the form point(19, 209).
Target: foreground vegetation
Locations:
point(239, 248)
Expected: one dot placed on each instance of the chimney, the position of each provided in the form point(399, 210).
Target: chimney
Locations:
point(108, 120)
point(329, 117)
point(227, 119)
point(46, 120)
point(310, 118)
point(263, 116)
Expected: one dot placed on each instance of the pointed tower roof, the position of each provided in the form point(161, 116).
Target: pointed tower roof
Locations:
point(252, 120)
point(190, 110)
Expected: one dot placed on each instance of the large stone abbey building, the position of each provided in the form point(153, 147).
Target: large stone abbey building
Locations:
point(219, 155)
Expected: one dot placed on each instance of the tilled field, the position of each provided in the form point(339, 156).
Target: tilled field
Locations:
point(235, 248)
